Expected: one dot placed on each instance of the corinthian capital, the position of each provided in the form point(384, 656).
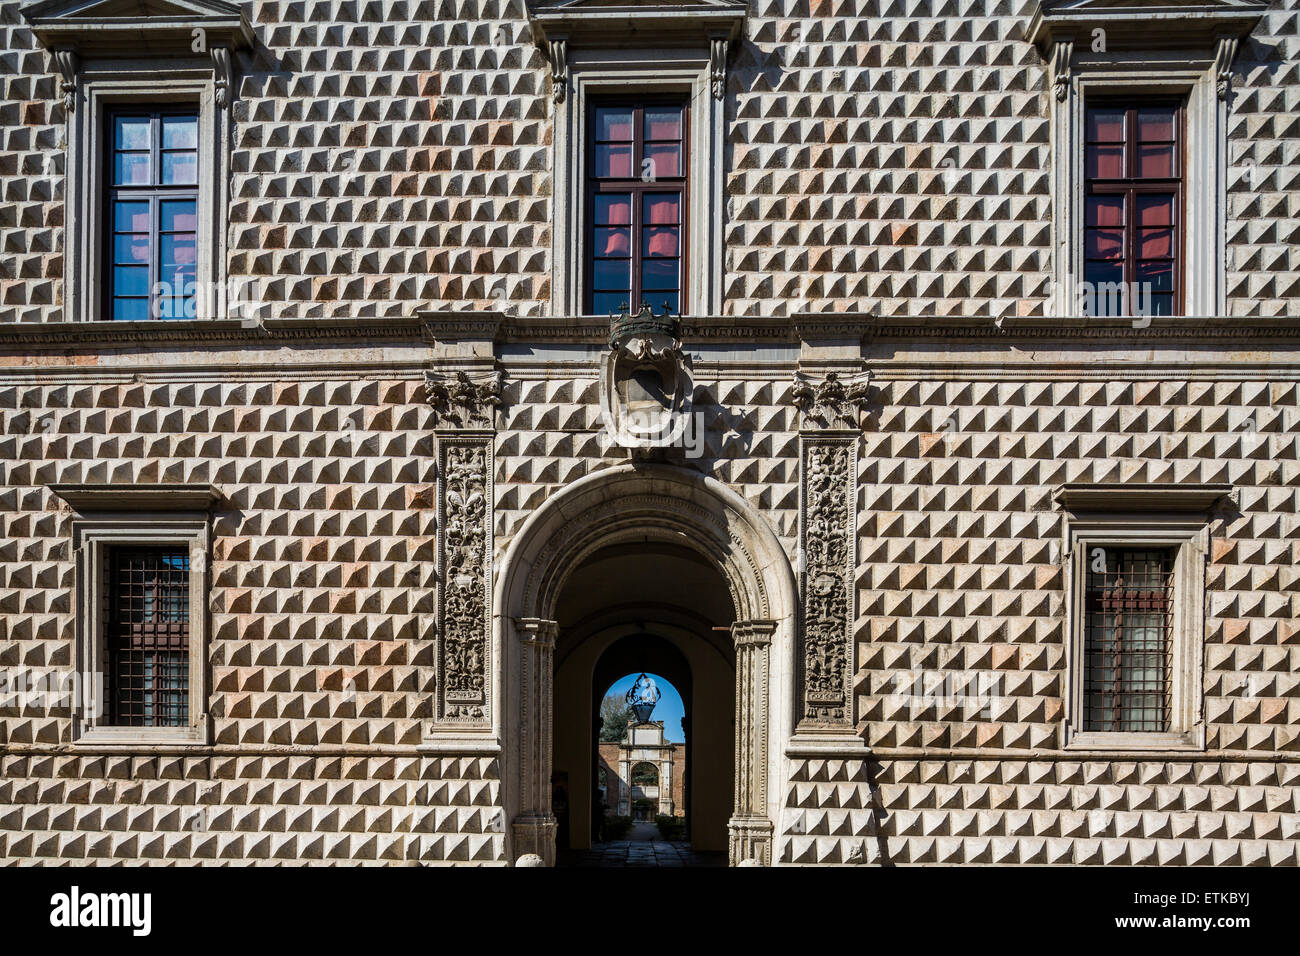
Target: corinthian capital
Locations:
point(832, 403)
point(464, 402)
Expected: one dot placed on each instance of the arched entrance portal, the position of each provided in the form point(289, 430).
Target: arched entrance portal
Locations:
point(644, 509)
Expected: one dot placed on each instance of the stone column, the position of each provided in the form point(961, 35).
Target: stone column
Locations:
point(666, 781)
point(750, 827)
point(624, 781)
point(534, 828)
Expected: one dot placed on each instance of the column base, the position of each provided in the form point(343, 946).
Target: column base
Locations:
point(536, 835)
point(749, 838)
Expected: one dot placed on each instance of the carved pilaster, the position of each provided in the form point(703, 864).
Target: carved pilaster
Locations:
point(534, 828)
point(750, 828)
point(466, 419)
point(830, 413)
point(833, 404)
point(465, 465)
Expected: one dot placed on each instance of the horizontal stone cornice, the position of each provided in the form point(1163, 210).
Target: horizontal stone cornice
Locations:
point(436, 327)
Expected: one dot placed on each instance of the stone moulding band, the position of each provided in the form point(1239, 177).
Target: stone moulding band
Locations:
point(430, 327)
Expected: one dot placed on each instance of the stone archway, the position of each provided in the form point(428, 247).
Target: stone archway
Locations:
point(643, 502)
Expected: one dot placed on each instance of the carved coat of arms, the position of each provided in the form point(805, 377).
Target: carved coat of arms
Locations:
point(645, 381)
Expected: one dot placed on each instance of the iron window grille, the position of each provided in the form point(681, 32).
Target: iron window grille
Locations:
point(148, 636)
point(1133, 206)
point(1127, 641)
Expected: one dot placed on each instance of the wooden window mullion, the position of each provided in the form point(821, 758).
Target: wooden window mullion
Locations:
point(638, 157)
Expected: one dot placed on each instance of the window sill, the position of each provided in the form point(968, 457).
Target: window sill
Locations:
point(141, 736)
point(1120, 741)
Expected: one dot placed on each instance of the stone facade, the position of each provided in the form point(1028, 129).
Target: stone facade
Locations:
point(372, 696)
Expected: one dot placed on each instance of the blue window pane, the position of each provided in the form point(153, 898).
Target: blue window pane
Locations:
point(180, 132)
point(130, 250)
point(613, 209)
point(1159, 274)
point(174, 306)
point(661, 297)
point(612, 274)
point(130, 280)
point(178, 215)
point(612, 242)
point(613, 162)
point(659, 241)
point(605, 303)
point(658, 274)
point(178, 250)
point(180, 169)
point(663, 122)
point(1101, 272)
point(131, 132)
point(130, 310)
point(1105, 294)
point(130, 216)
point(131, 169)
point(614, 123)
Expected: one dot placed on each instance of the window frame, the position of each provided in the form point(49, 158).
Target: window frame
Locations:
point(1189, 536)
point(93, 541)
point(597, 73)
point(1130, 186)
point(638, 188)
point(108, 85)
point(1086, 76)
point(155, 194)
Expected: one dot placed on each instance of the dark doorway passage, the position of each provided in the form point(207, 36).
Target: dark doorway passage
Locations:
point(661, 612)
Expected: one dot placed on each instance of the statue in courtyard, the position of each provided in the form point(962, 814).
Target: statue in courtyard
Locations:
point(642, 697)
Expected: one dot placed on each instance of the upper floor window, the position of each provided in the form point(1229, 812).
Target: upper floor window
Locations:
point(1133, 171)
point(637, 195)
point(152, 191)
point(147, 107)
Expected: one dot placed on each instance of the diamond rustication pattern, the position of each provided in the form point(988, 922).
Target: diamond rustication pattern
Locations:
point(322, 619)
point(395, 156)
point(890, 158)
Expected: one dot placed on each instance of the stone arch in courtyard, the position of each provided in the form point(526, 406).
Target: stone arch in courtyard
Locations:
point(645, 503)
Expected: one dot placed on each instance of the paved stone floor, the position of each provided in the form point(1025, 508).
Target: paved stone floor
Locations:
point(642, 851)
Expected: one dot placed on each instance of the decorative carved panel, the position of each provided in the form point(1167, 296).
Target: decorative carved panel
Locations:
point(465, 555)
point(829, 432)
point(466, 408)
point(827, 542)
